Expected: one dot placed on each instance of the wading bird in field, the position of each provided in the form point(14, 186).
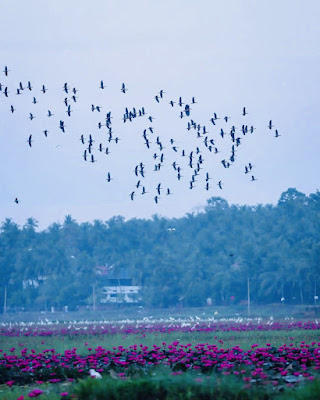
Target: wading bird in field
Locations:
point(94, 374)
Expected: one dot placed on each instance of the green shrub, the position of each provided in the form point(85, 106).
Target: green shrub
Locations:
point(169, 387)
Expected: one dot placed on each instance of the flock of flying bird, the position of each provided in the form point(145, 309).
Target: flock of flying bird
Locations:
point(186, 163)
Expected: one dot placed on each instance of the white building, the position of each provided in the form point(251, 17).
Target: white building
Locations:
point(120, 294)
point(119, 288)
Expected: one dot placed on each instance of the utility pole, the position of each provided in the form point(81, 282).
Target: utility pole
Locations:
point(94, 296)
point(5, 300)
point(248, 287)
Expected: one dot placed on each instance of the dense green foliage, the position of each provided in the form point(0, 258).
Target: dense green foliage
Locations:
point(176, 261)
point(168, 387)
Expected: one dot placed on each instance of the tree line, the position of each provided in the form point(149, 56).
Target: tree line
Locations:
point(180, 261)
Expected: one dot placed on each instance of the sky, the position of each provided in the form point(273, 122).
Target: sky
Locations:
point(263, 55)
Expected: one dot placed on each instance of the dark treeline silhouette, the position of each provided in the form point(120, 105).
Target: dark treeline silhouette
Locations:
point(175, 261)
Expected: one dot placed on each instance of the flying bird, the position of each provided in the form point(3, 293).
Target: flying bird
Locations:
point(123, 88)
point(109, 177)
point(6, 70)
point(276, 133)
point(30, 140)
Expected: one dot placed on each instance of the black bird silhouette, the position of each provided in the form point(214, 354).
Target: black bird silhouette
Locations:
point(69, 111)
point(123, 88)
point(50, 113)
point(172, 103)
point(220, 184)
point(12, 109)
point(62, 126)
point(132, 195)
point(276, 133)
point(161, 93)
point(31, 116)
point(6, 70)
point(270, 126)
point(44, 89)
point(109, 177)
point(102, 85)
point(193, 101)
point(16, 200)
point(156, 199)
point(30, 140)
point(253, 178)
point(65, 88)
point(45, 133)
point(244, 111)
point(29, 85)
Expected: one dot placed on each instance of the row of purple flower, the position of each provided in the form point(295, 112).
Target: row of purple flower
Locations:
point(287, 363)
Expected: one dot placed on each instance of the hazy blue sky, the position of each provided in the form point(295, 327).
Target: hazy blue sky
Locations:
point(262, 54)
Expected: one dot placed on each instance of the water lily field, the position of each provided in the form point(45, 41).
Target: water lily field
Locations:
point(244, 358)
